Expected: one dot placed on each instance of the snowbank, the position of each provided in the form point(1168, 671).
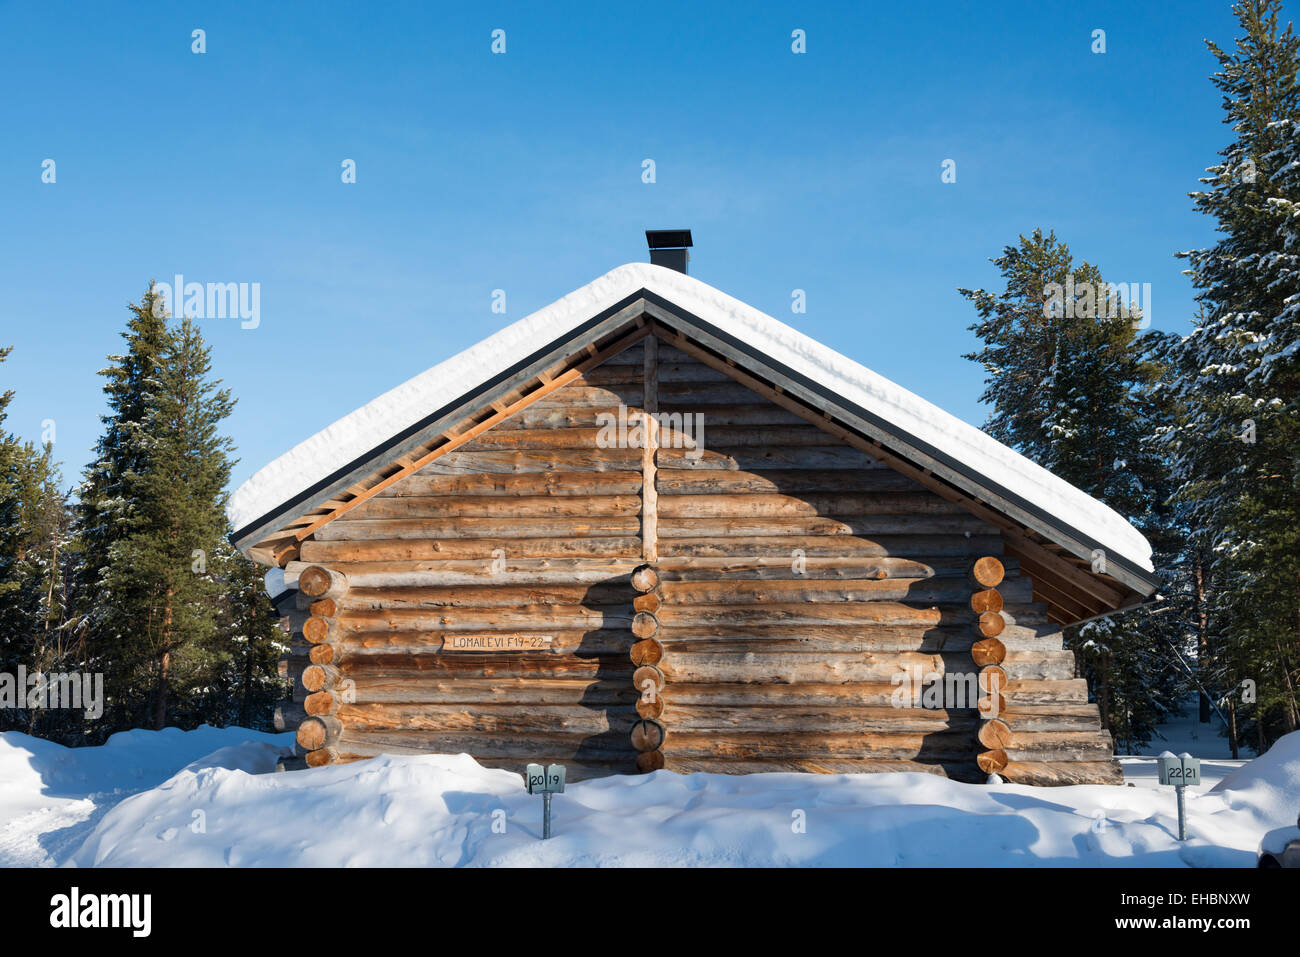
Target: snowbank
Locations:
point(209, 798)
point(441, 810)
point(357, 433)
point(51, 796)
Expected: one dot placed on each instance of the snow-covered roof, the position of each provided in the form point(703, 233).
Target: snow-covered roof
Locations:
point(356, 434)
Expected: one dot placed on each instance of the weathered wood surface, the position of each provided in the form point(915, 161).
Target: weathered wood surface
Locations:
point(769, 590)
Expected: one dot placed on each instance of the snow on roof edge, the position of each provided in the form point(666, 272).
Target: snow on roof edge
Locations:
point(355, 434)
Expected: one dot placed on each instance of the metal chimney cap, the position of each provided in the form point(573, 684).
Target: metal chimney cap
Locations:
point(668, 238)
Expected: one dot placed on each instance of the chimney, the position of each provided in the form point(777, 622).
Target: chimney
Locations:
point(668, 247)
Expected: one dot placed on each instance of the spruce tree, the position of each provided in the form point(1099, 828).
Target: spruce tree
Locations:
point(1236, 448)
point(1070, 383)
point(108, 514)
point(152, 517)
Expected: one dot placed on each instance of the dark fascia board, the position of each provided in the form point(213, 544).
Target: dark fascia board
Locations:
point(627, 310)
point(902, 443)
point(624, 312)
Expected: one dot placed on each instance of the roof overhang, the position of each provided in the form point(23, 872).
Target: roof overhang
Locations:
point(1060, 558)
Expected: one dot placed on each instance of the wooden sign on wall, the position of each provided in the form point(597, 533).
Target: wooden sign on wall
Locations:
point(455, 642)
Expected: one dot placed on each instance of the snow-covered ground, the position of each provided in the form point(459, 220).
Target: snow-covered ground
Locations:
point(208, 798)
point(51, 797)
point(1185, 733)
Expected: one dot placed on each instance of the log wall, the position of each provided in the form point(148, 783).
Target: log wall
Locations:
point(769, 588)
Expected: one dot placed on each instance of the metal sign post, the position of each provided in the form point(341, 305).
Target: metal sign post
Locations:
point(1181, 771)
point(545, 781)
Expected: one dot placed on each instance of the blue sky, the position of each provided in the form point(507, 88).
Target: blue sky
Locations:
point(522, 172)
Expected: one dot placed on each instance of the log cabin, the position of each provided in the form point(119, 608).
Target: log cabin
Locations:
point(650, 527)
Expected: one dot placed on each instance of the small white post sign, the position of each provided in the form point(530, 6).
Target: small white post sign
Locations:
point(545, 781)
point(1181, 771)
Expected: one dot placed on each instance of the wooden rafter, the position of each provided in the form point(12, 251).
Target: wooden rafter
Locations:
point(456, 436)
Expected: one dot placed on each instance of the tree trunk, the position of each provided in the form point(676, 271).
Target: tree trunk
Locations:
point(164, 668)
point(1202, 638)
point(1232, 728)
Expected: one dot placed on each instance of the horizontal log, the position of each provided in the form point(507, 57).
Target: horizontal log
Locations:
point(781, 719)
point(680, 668)
point(990, 624)
point(529, 618)
point(723, 417)
point(1062, 773)
point(831, 695)
point(318, 731)
point(500, 719)
point(317, 630)
point(644, 624)
point(915, 590)
point(987, 572)
point(1061, 746)
point(761, 640)
point(491, 745)
point(649, 761)
point(1023, 666)
point(809, 504)
point(489, 506)
point(487, 552)
point(889, 745)
point(578, 484)
point(645, 578)
point(288, 715)
point(817, 526)
point(992, 762)
point(908, 546)
point(602, 594)
point(415, 688)
point(512, 571)
point(325, 653)
point(503, 527)
point(1071, 690)
point(780, 481)
point(604, 396)
point(320, 582)
point(756, 459)
point(805, 613)
point(486, 665)
point(320, 758)
point(992, 679)
point(995, 734)
point(649, 680)
point(583, 643)
point(320, 677)
point(1055, 717)
point(647, 651)
point(545, 460)
point(989, 651)
point(322, 703)
point(647, 734)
